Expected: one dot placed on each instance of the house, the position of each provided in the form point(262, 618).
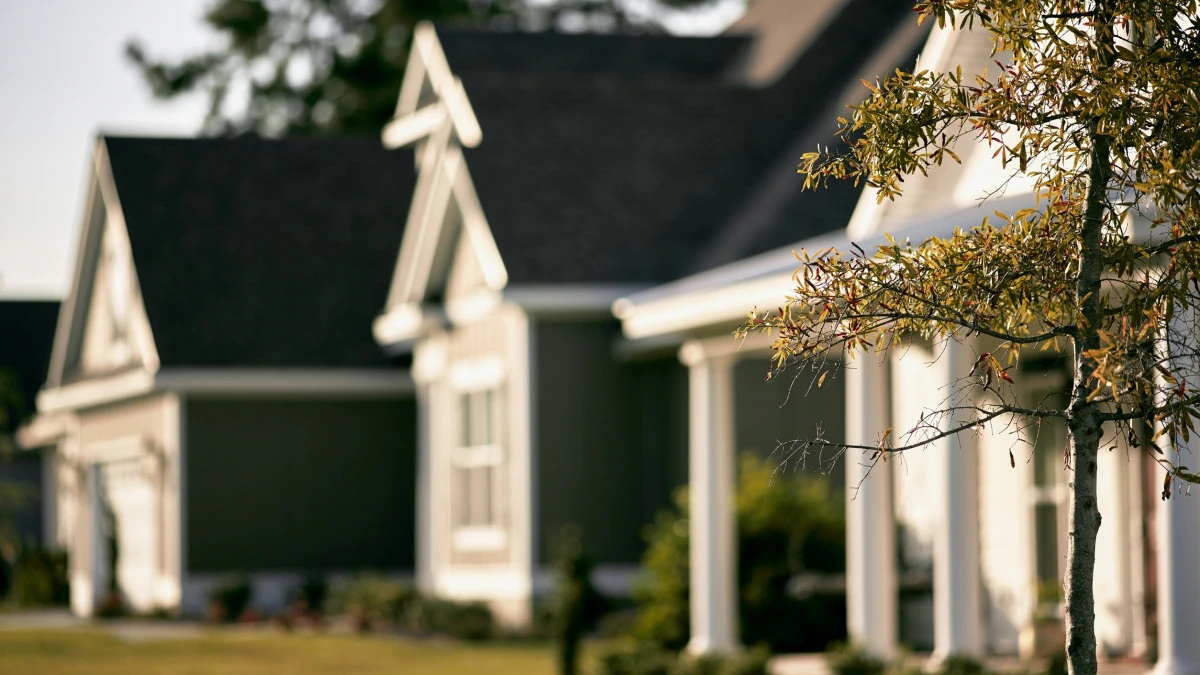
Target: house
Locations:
point(214, 383)
point(25, 339)
point(992, 535)
point(557, 174)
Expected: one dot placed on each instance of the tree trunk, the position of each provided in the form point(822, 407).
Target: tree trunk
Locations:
point(1083, 419)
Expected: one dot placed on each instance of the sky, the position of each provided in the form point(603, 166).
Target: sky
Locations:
point(64, 79)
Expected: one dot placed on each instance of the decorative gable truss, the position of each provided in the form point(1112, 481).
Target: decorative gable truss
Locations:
point(446, 228)
point(103, 341)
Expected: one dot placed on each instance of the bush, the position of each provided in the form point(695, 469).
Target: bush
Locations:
point(635, 659)
point(787, 525)
point(470, 621)
point(643, 659)
point(1056, 664)
point(310, 595)
point(958, 664)
point(228, 599)
point(846, 659)
point(369, 599)
point(40, 577)
point(577, 605)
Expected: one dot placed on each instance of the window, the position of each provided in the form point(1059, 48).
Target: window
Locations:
point(478, 488)
point(1048, 495)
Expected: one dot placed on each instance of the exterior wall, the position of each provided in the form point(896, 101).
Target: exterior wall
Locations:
point(302, 484)
point(612, 439)
point(775, 417)
point(25, 470)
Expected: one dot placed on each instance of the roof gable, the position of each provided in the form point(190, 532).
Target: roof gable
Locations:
point(103, 327)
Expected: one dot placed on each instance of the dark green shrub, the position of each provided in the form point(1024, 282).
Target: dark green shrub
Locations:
point(228, 599)
point(959, 664)
point(846, 659)
point(633, 658)
point(40, 577)
point(788, 524)
point(577, 605)
point(471, 621)
point(311, 593)
point(369, 599)
point(1056, 664)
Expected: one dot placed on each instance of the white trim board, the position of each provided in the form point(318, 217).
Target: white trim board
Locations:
point(285, 381)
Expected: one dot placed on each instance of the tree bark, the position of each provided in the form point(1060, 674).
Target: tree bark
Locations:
point(1084, 420)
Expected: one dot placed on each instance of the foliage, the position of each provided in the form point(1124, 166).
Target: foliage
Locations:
point(371, 600)
point(229, 598)
point(335, 66)
point(41, 577)
point(469, 621)
point(787, 525)
point(311, 594)
point(848, 659)
point(641, 659)
point(1093, 105)
point(577, 605)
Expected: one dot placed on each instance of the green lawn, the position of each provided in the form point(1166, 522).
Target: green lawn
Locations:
point(95, 652)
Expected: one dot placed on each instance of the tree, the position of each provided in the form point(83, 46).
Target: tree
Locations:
point(335, 66)
point(1094, 102)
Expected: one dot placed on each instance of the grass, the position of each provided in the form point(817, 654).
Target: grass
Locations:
point(96, 652)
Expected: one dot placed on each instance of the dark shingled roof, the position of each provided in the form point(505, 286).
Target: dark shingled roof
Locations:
point(609, 159)
point(26, 338)
point(538, 55)
point(257, 253)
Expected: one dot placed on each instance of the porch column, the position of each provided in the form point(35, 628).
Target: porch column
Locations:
point(1178, 538)
point(711, 476)
point(957, 613)
point(870, 529)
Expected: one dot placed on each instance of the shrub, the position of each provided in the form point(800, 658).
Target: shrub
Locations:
point(40, 577)
point(368, 599)
point(643, 659)
point(229, 598)
point(787, 525)
point(577, 605)
point(311, 593)
point(959, 664)
point(846, 659)
point(470, 621)
point(1056, 664)
point(635, 659)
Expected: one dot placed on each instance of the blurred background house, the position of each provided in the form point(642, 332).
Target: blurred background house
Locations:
point(215, 403)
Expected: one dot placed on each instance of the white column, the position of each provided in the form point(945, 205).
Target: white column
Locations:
point(1178, 581)
point(957, 613)
point(711, 485)
point(870, 529)
point(1178, 538)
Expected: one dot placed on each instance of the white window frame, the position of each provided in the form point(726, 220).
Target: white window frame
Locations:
point(468, 378)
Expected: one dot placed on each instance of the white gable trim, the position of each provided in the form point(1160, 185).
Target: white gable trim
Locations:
point(427, 65)
point(440, 128)
point(102, 216)
point(95, 391)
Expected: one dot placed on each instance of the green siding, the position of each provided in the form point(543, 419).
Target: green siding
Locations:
point(300, 484)
point(611, 439)
point(773, 415)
